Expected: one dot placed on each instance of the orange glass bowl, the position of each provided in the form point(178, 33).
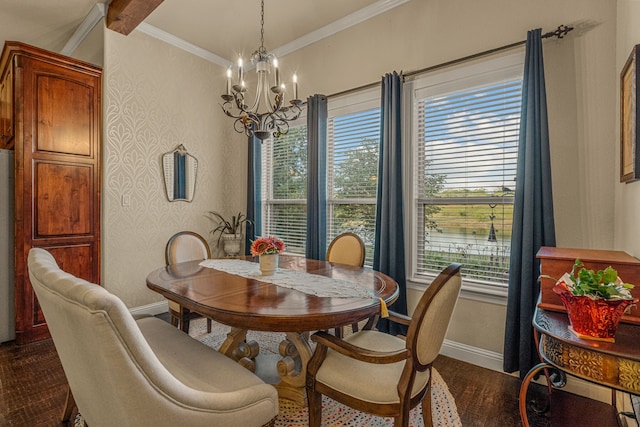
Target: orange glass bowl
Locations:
point(593, 319)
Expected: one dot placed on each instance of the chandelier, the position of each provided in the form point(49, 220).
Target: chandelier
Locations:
point(269, 113)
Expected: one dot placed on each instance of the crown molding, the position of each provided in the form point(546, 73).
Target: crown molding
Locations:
point(182, 44)
point(97, 12)
point(341, 24)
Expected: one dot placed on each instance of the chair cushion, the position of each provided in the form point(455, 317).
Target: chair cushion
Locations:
point(191, 362)
point(376, 383)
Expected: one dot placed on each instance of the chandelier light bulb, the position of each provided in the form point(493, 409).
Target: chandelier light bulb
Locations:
point(229, 74)
point(240, 70)
point(295, 86)
point(277, 71)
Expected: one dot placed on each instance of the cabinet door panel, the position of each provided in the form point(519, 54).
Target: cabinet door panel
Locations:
point(64, 113)
point(63, 195)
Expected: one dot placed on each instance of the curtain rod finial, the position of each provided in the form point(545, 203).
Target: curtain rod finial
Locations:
point(560, 32)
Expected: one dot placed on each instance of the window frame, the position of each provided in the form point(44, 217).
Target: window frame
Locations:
point(267, 187)
point(342, 106)
point(414, 89)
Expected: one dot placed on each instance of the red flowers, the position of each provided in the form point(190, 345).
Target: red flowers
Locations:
point(267, 245)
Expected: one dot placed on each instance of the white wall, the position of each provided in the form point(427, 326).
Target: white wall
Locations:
point(155, 98)
point(627, 196)
point(91, 49)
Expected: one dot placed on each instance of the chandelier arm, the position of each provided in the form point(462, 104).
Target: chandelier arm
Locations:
point(228, 111)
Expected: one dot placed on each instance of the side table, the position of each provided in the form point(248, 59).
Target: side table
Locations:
point(615, 365)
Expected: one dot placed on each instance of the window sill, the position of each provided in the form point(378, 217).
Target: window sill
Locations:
point(470, 290)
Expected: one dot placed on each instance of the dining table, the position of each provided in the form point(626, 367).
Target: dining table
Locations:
point(302, 296)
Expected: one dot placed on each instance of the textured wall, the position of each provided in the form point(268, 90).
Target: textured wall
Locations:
point(627, 201)
point(156, 97)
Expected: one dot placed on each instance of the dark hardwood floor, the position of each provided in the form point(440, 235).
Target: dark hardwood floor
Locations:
point(33, 391)
point(488, 398)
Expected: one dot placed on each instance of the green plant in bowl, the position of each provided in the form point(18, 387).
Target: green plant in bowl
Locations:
point(602, 284)
point(595, 301)
point(227, 226)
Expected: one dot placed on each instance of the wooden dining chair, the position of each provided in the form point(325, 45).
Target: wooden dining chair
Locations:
point(381, 374)
point(181, 247)
point(346, 248)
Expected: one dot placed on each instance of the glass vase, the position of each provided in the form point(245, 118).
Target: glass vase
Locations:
point(593, 318)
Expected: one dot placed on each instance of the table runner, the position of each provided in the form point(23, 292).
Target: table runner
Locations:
point(302, 281)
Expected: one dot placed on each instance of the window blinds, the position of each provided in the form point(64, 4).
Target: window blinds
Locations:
point(465, 167)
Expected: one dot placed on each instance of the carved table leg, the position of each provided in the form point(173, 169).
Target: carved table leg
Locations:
point(234, 338)
point(292, 368)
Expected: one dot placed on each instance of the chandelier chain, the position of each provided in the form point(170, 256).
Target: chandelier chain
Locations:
point(262, 49)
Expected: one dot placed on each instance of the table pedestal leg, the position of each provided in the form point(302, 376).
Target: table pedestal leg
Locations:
point(234, 338)
point(292, 368)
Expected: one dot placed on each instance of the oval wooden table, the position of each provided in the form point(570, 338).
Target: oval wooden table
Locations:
point(250, 304)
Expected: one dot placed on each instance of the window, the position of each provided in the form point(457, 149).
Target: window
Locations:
point(352, 163)
point(284, 188)
point(465, 126)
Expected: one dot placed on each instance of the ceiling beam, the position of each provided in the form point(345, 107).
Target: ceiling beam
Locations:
point(124, 16)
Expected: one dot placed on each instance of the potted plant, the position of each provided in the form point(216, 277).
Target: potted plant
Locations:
point(595, 301)
point(268, 249)
point(229, 231)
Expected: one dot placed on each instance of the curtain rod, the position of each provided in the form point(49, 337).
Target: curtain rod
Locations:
point(560, 32)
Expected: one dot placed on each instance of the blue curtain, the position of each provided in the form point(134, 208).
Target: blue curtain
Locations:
point(254, 183)
point(388, 252)
point(316, 177)
point(533, 224)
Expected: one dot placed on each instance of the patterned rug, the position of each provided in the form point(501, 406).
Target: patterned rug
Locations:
point(445, 413)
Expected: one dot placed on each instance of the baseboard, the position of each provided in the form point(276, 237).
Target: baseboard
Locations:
point(151, 309)
point(474, 355)
point(493, 360)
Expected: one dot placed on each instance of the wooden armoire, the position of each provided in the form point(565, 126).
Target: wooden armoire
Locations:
point(50, 115)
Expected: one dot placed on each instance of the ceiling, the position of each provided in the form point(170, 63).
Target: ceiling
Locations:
point(223, 28)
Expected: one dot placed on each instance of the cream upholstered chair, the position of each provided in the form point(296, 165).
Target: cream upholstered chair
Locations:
point(126, 372)
point(181, 247)
point(379, 373)
point(346, 248)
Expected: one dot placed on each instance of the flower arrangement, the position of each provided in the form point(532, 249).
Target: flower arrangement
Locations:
point(267, 245)
point(603, 284)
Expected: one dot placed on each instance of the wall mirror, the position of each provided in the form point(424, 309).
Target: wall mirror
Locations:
point(180, 170)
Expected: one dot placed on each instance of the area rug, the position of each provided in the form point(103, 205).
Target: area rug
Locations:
point(445, 413)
